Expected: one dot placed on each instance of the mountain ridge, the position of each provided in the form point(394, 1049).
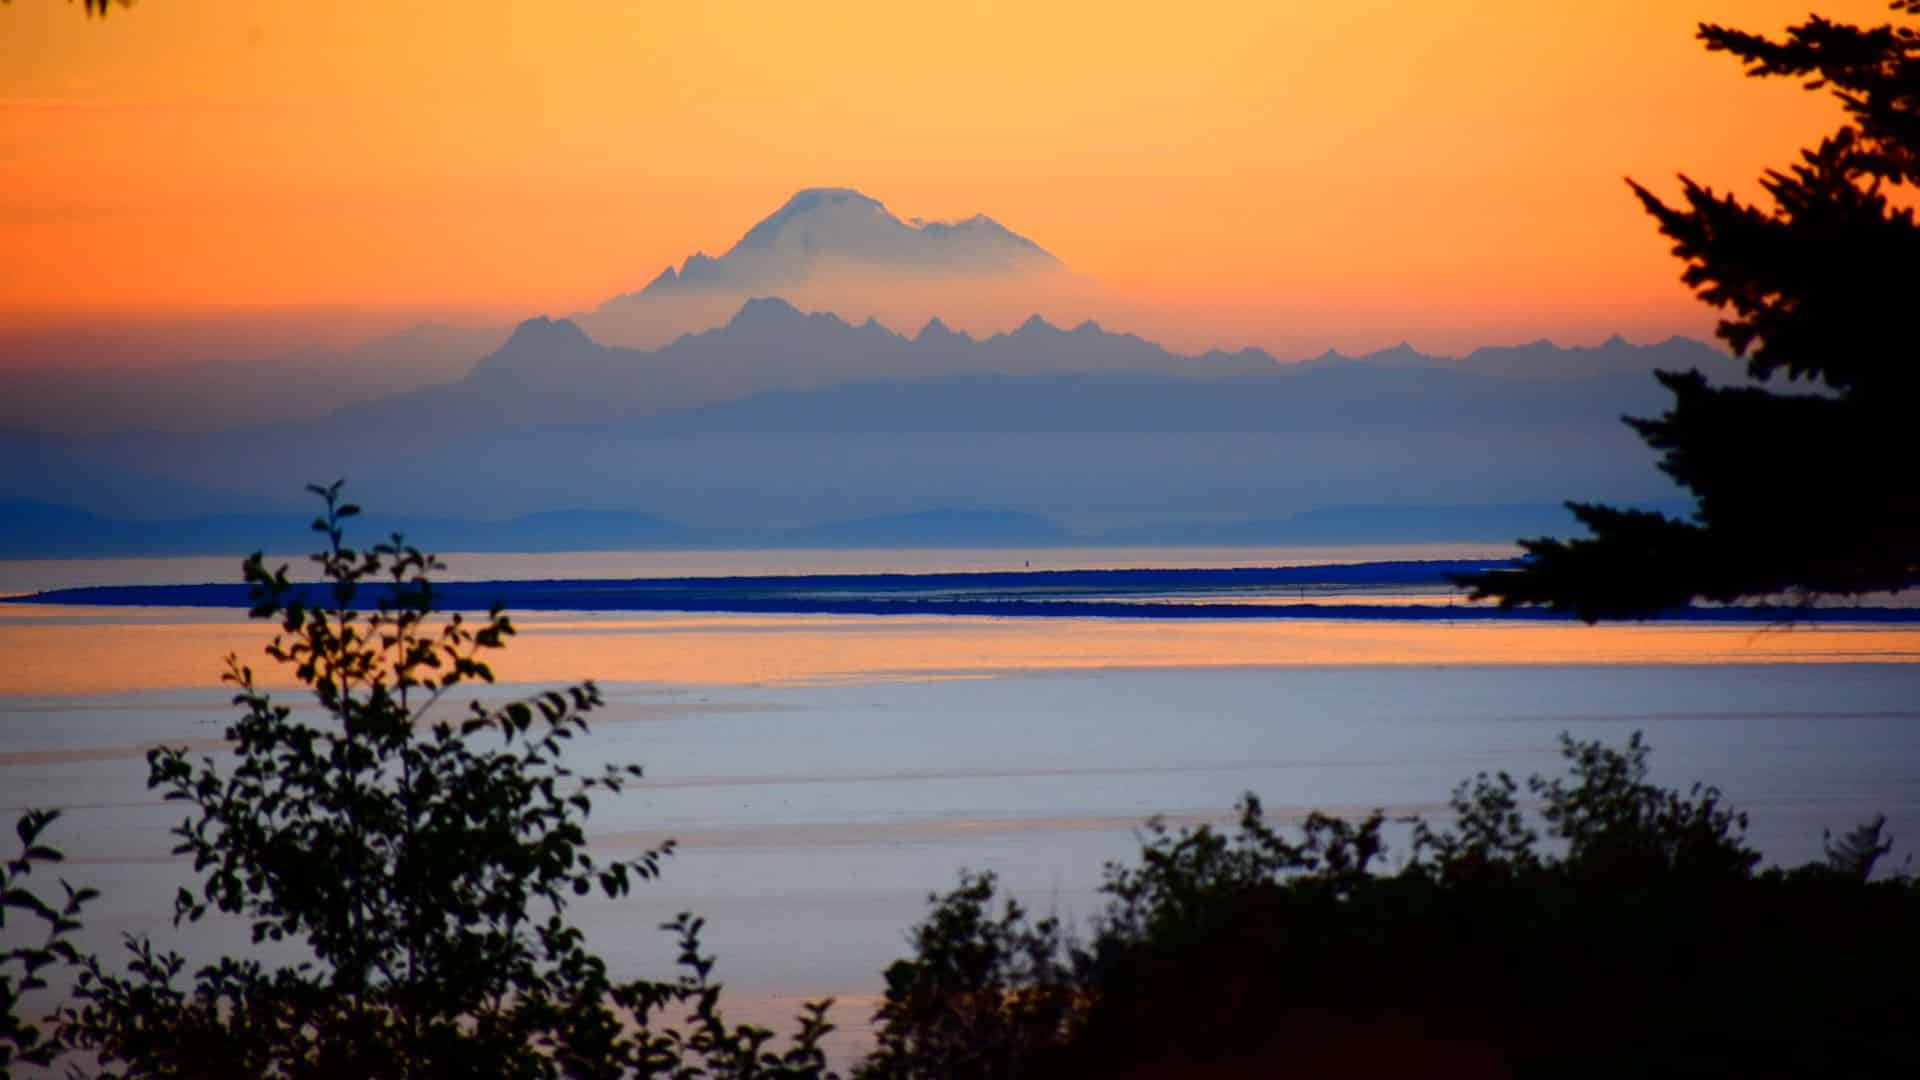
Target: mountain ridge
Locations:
point(947, 421)
point(28, 531)
point(552, 370)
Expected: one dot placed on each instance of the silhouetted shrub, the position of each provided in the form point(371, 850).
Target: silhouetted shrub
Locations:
point(23, 968)
point(1635, 937)
point(420, 862)
point(982, 994)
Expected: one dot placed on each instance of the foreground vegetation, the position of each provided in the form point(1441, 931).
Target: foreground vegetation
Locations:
point(419, 867)
point(1792, 483)
point(417, 864)
point(1634, 938)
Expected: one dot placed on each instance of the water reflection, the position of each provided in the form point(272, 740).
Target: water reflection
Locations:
point(58, 650)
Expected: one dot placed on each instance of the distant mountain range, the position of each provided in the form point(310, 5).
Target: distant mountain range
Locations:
point(58, 395)
point(550, 372)
point(33, 530)
point(830, 248)
point(775, 425)
point(1543, 361)
point(788, 429)
point(714, 331)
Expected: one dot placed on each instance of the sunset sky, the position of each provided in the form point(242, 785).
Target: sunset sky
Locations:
point(1296, 174)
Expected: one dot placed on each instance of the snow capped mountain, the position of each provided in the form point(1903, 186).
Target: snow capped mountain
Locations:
point(841, 230)
point(839, 250)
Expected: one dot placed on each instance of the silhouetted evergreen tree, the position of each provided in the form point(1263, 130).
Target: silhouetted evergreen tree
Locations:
point(93, 7)
point(1799, 493)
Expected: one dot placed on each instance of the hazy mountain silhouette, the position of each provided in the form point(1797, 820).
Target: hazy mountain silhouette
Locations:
point(932, 528)
point(840, 225)
point(836, 249)
point(772, 367)
point(47, 391)
point(1543, 360)
point(124, 474)
point(1491, 524)
point(30, 529)
point(713, 332)
point(550, 372)
point(1352, 398)
point(781, 420)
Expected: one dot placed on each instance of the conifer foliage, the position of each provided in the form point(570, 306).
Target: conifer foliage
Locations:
point(1804, 489)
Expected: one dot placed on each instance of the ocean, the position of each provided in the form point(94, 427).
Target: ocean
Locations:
point(823, 773)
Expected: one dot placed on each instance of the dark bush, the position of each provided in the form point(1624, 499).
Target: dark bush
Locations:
point(1637, 938)
point(420, 860)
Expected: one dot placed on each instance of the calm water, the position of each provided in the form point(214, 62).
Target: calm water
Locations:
point(32, 575)
point(823, 774)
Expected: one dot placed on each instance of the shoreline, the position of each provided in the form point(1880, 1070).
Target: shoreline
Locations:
point(1243, 593)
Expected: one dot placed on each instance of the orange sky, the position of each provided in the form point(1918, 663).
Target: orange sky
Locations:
point(1292, 173)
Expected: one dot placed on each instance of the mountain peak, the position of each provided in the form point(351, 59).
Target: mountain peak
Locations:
point(1401, 355)
point(767, 311)
point(820, 219)
point(536, 345)
point(833, 229)
point(983, 229)
point(937, 330)
point(543, 333)
point(808, 198)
